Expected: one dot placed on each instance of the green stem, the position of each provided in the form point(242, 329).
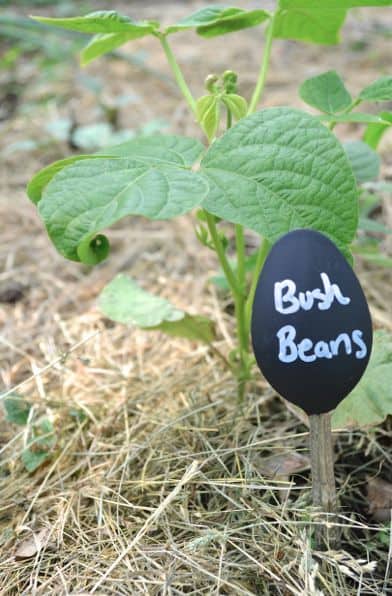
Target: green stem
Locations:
point(220, 251)
point(240, 250)
point(349, 109)
point(178, 74)
point(264, 68)
point(243, 336)
point(261, 256)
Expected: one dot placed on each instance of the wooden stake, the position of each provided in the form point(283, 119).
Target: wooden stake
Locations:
point(323, 477)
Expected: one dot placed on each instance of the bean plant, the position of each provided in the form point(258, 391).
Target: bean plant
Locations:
point(267, 170)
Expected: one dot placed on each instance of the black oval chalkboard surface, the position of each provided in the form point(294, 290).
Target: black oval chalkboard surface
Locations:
point(311, 326)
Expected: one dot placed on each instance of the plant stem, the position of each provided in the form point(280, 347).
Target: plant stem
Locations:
point(264, 68)
point(349, 109)
point(178, 74)
point(220, 251)
point(261, 256)
point(240, 249)
point(240, 313)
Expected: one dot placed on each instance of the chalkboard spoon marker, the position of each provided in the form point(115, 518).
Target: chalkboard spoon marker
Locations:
point(312, 339)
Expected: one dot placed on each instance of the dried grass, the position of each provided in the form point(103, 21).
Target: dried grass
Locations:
point(154, 484)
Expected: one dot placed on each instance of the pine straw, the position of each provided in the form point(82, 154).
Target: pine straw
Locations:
point(154, 485)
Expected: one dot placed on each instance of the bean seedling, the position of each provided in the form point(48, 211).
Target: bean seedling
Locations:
point(271, 171)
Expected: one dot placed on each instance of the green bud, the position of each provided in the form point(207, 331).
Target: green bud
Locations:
point(229, 76)
point(211, 83)
point(230, 79)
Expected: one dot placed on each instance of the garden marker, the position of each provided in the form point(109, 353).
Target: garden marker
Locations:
point(312, 338)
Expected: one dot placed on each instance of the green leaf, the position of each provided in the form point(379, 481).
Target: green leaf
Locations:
point(17, 409)
point(40, 180)
point(380, 90)
point(90, 195)
point(218, 20)
point(326, 92)
point(208, 114)
point(359, 117)
point(364, 161)
point(279, 170)
point(122, 300)
point(102, 21)
point(371, 400)
point(168, 149)
point(103, 43)
point(314, 21)
point(237, 105)
point(374, 132)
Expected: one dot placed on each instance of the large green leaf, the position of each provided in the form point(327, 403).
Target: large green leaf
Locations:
point(279, 170)
point(364, 161)
point(314, 21)
point(371, 400)
point(102, 21)
point(90, 195)
point(158, 149)
point(218, 20)
point(326, 92)
point(122, 300)
point(380, 90)
point(103, 43)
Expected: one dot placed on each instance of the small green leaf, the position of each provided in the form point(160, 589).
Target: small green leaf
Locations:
point(103, 43)
point(279, 170)
point(208, 114)
point(374, 132)
point(358, 117)
point(237, 105)
point(364, 161)
point(122, 300)
point(371, 400)
point(326, 92)
point(102, 21)
point(380, 90)
point(32, 460)
point(17, 409)
point(218, 20)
